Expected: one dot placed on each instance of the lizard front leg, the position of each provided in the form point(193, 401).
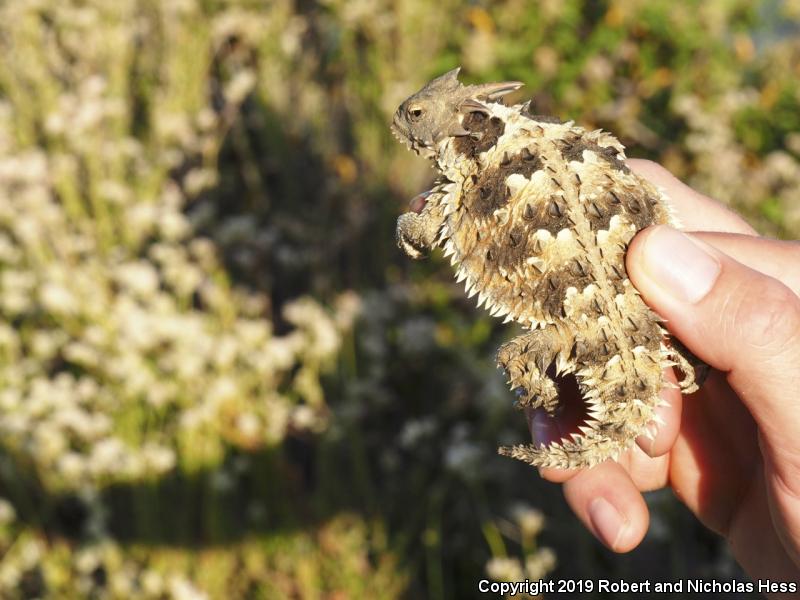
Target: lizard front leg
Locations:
point(417, 232)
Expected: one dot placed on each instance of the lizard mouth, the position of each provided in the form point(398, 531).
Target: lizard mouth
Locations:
point(417, 146)
point(566, 422)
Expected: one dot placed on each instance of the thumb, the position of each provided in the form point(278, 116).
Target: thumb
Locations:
point(736, 319)
point(741, 322)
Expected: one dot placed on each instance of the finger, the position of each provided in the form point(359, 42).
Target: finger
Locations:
point(693, 209)
point(767, 556)
point(646, 472)
point(713, 461)
point(734, 318)
point(744, 323)
point(667, 423)
point(776, 258)
point(607, 502)
point(557, 475)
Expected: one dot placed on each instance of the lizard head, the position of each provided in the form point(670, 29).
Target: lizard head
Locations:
point(435, 112)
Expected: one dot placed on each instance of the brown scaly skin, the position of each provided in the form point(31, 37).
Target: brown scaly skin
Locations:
point(537, 216)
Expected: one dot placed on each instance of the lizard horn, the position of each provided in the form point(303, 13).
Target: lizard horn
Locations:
point(492, 91)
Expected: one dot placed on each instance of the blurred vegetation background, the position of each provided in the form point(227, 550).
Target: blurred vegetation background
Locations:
point(218, 376)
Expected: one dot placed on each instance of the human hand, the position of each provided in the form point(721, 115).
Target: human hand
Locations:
point(731, 451)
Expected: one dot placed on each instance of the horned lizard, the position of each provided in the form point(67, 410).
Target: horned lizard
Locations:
point(537, 215)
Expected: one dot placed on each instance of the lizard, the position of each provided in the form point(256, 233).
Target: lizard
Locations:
point(536, 216)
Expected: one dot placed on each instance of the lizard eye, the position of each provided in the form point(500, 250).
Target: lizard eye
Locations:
point(414, 113)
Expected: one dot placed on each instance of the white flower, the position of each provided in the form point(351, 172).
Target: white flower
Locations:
point(71, 466)
point(240, 86)
point(158, 458)
point(49, 442)
point(348, 307)
point(9, 399)
point(108, 455)
point(530, 520)
point(304, 417)
point(248, 424)
point(152, 582)
point(206, 119)
point(81, 354)
point(9, 252)
point(181, 588)
point(57, 299)
point(173, 225)
point(198, 180)
point(10, 574)
point(540, 564)
point(140, 277)
point(277, 410)
point(415, 430)
point(7, 512)
point(45, 343)
point(221, 390)
point(504, 569)
point(463, 457)
point(30, 553)
point(87, 560)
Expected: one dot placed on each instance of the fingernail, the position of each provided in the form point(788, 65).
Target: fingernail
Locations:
point(680, 264)
point(607, 521)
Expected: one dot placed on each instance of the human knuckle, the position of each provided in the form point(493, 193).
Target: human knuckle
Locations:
point(769, 315)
